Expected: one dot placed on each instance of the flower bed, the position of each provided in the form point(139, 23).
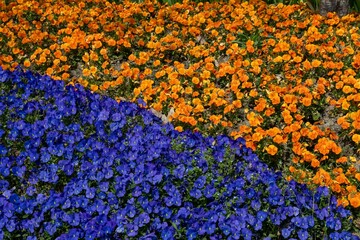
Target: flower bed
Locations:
point(282, 78)
point(80, 165)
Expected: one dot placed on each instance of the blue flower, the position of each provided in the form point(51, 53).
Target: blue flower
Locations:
point(104, 186)
point(168, 233)
point(300, 222)
point(200, 182)
point(210, 227)
point(303, 234)
point(10, 225)
point(286, 232)
point(90, 192)
point(179, 171)
point(132, 230)
point(246, 233)
point(258, 225)
point(251, 219)
point(191, 234)
point(256, 205)
point(261, 215)
point(28, 237)
point(19, 171)
point(166, 213)
point(226, 230)
point(144, 218)
point(195, 193)
point(209, 191)
point(50, 228)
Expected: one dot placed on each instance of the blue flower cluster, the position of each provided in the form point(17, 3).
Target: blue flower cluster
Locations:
point(77, 165)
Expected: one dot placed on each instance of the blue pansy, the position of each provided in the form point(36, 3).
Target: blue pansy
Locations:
point(191, 234)
point(200, 182)
point(303, 234)
point(209, 191)
point(95, 169)
point(286, 232)
point(261, 215)
point(195, 193)
point(168, 233)
point(246, 234)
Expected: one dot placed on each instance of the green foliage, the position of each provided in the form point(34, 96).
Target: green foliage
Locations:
point(355, 5)
point(313, 5)
point(285, 2)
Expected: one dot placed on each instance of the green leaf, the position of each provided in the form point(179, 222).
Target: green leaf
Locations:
point(308, 2)
point(316, 115)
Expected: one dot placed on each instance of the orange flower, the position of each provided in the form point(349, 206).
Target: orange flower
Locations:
point(244, 129)
point(188, 90)
point(341, 160)
point(315, 163)
point(228, 109)
point(111, 42)
point(286, 57)
point(94, 88)
point(27, 63)
point(357, 176)
point(269, 112)
point(289, 98)
point(65, 76)
point(354, 200)
point(215, 119)
point(322, 177)
point(49, 71)
point(237, 103)
point(156, 63)
point(323, 146)
point(351, 189)
point(93, 56)
point(105, 85)
point(344, 202)
point(254, 119)
point(274, 97)
point(179, 129)
point(256, 137)
point(195, 80)
point(342, 179)
point(97, 44)
point(159, 30)
point(86, 72)
point(313, 135)
point(260, 105)
point(356, 138)
point(272, 150)
point(347, 89)
point(306, 101)
point(273, 131)
point(209, 66)
point(234, 84)
point(343, 122)
point(307, 65)
point(297, 59)
point(279, 139)
point(278, 59)
point(287, 117)
point(192, 121)
point(253, 93)
point(315, 63)
point(336, 187)
point(345, 105)
point(93, 70)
